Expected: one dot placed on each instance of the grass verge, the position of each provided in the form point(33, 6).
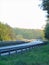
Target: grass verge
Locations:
point(37, 56)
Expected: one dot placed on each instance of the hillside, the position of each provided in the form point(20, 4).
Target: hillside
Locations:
point(28, 33)
point(8, 33)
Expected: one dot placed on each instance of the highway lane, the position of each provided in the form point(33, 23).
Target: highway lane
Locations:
point(19, 47)
point(24, 44)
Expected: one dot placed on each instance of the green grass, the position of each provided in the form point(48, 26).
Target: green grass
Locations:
point(37, 56)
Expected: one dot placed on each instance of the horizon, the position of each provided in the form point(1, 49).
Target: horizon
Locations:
point(21, 28)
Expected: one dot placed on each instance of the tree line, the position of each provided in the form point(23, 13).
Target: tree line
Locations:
point(29, 33)
point(45, 7)
point(8, 33)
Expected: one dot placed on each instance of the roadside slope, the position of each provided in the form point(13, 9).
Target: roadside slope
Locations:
point(37, 56)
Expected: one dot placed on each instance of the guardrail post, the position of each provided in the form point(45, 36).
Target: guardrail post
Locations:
point(16, 51)
point(26, 49)
point(0, 53)
point(9, 51)
point(21, 51)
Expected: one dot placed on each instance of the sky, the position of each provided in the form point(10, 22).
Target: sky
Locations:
point(22, 13)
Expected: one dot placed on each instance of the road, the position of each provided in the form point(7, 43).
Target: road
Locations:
point(25, 44)
point(20, 46)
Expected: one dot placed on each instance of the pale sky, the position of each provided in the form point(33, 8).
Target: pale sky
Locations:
point(22, 13)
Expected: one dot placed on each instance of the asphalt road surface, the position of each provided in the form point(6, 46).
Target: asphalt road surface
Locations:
point(20, 45)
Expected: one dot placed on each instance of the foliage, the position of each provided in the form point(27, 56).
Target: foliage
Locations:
point(19, 37)
point(6, 32)
point(45, 5)
point(37, 56)
point(47, 31)
point(29, 33)
point(9, 33)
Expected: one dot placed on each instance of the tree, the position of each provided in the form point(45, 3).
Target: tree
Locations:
point(45, 6)
point(47, 31)
point(6, 32)
point(19, 37)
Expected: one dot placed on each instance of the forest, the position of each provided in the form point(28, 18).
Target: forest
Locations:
point(7, 33)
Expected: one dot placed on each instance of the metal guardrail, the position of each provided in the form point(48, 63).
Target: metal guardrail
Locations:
point(18, 47)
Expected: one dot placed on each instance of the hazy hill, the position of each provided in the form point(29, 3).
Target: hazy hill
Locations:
point(28, 33)
point(9, 33)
